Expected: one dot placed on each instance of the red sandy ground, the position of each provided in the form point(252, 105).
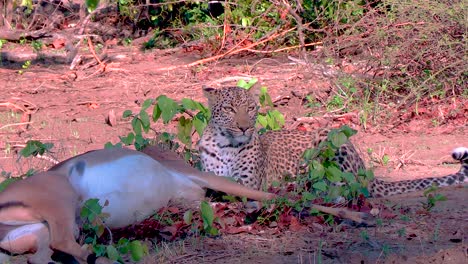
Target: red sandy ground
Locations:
point(71, 114)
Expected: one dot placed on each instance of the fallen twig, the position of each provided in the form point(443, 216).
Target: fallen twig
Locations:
point(16, 35)
point(15, 124)
point(286, 48)
point(229, 52)
point(27, 111)
point(93, 51)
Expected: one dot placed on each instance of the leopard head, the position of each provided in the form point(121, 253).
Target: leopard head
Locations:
point(233, 112)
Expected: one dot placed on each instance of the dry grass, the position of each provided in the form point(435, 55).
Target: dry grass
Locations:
point(409, 50)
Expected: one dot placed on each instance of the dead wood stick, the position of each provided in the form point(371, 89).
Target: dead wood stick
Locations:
point(287, 48)
point(15, 124)
point(12, 105)
point(229, 52)
point(93, 51)
point(358, 217)
point(300, 27)
point(16, 35)
point(225, 29)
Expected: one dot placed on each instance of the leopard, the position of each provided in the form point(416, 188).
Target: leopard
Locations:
point(232, 146)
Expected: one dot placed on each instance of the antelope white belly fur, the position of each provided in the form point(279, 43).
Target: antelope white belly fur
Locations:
point(134, 186)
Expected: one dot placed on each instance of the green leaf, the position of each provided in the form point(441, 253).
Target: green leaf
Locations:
point(349, 132)
point(365, 191)
point(29, 150)
point(355, 187)
point(213, 231)
point(156, 112)
point(369, 175)
point(92, 5)
point(338, 139)
point(35, 147)
point(123, 245)
point(349, 177)
point(207, 214)
point(91, 209)
point(275, 184)
point(140, 142)
point(99, 250)
point(146, 104)
point(27, 3)
point(109, 145)
point(307, 154)
point(244, 22)
point(7, 182)
point(128, 140)
point(262, 120)
point(307, 196)
point(112, 252)
point(229, 198)
point(127, 113)
point(440, 197)
point(334, 192)
point(252, 82)
point(137, 126)
point(137, 250)
point(328, 153)
point(188, 217)
point(321, 185)
point(264, 97)
point(430, 190)
point(199, 125)
point(145, 121)
point(333, 174)
point(184, 129)
point(242, 84)
point(278, 117)
point(316, 171)
point(190, 104)
point(169, 108)
point(247, 85)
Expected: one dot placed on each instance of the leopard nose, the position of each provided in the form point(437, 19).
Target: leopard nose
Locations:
point(243, 128)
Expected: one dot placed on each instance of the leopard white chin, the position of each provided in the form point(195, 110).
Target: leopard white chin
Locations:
point(241, 139)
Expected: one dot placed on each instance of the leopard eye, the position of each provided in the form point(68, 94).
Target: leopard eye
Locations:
point(229, 109)
point(252, 108)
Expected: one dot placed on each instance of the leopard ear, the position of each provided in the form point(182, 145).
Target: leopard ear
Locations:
point(210, 94)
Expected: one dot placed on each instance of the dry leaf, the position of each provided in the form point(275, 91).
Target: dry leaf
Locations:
point(111, 119)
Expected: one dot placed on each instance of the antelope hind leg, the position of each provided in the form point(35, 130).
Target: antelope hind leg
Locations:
point(44, 252)
point(62, 236)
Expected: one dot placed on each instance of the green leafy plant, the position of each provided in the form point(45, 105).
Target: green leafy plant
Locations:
point(432, 197)
point(140, 123)
point(25, 66)
point(36, 45)
point(272, 119)
point(93, 228)
point(247, 85)
point(166, 109)
point(385, 159)
point(92, 5)
point(323, 174)
point(335, 102)
point(9, 180)
point(3, 42)
point(35, 147)
point(208, 217)
point(312, 102)
point(192, 118)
